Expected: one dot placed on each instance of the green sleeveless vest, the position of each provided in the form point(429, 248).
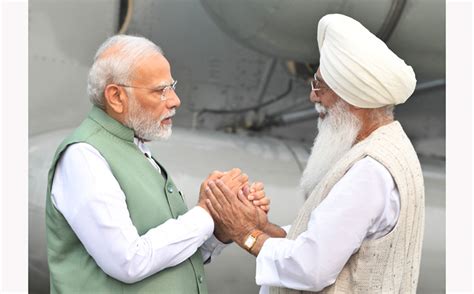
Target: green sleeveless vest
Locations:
point(151, 199)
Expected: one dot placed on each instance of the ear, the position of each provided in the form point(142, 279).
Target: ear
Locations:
point(115, 98)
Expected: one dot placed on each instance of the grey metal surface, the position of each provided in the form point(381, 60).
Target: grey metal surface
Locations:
point(287, 29)
point(63, 37)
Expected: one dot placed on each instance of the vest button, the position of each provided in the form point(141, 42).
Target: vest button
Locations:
point(200, 279)
point(170, 189)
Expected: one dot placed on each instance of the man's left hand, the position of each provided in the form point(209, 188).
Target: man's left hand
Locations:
point(256, 194)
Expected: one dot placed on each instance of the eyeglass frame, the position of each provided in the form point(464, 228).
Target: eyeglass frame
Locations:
point(162, 88)
point(316, 84)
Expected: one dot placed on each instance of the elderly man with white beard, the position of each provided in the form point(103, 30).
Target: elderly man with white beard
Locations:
point(116, 222)
point(361, 227)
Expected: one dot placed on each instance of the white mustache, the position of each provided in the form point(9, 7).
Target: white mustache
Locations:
point(320, 108)
point(168, 115)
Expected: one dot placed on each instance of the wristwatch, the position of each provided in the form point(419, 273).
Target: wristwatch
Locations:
point(252, 239)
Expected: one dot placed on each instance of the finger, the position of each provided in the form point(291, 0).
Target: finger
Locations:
point(264, 208)
point(243, 199)
point(234, 182)
point(259, 195)
point(215, 175)
point(229, 195)
point(263, 201)
point(252, 187)
point(237, 187)
point(218, 193)
point(212, 210)
point(251, 196)
point(215, 172)
point(241, 177)
point(212, 177)
point(237, 183)
point(234, 173)
point(229, 175)
point(242, 181)
point(246, 190)
point(218, 200)
point(258, 186)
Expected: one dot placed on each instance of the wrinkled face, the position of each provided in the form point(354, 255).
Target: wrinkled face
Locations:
point(150, 110)
point(323, 97)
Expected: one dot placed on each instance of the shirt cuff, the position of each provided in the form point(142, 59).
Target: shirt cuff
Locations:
point(266, 272)
point(286, 228)
point(199, 218)
point(212, 248)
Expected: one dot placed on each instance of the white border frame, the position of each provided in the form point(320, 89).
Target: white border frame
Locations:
point(459, 144)
point(14, 146)
point(13, 198)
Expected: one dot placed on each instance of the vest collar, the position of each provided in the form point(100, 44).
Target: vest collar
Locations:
point(392, 125)
point(111, 125)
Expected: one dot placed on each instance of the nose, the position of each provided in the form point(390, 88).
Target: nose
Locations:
point(173, 101)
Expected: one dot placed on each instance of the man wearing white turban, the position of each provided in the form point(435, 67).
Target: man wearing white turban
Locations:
point(361, 227)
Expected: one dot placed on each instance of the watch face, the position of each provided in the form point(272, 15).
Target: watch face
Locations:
point(249, 242)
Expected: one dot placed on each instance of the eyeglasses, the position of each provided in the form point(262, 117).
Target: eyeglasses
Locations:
point(317, 85)
point(162, 90)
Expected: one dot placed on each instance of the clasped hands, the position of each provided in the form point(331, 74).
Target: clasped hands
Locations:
point(236, 207)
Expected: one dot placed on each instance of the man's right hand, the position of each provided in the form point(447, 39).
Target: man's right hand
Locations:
point(235, 180)
point(202, 190)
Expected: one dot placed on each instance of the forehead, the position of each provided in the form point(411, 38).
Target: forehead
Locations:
point(317, 75)
point(154, 68)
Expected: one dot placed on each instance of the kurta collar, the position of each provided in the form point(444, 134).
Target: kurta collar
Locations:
point(111, 125)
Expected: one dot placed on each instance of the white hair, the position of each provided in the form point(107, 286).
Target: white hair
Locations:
point(337, 133)
point(117, 67)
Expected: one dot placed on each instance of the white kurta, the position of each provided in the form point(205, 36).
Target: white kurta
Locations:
point(364, 204)
point(90, 198)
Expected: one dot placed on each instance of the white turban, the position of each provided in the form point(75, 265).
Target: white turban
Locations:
point(359, 67)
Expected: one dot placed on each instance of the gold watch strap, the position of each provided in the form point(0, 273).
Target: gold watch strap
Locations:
point(254, 234)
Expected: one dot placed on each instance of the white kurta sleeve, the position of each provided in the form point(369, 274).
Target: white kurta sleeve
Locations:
point(212, 248)
point(363, 203)
point(90, 198)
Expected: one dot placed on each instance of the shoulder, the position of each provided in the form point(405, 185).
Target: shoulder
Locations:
point(81, 155)
point(369, 181)
point(370, 169)
point(80, 150)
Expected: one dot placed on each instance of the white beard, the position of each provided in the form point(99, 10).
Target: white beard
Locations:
point(143, 123)
point(337, 133)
